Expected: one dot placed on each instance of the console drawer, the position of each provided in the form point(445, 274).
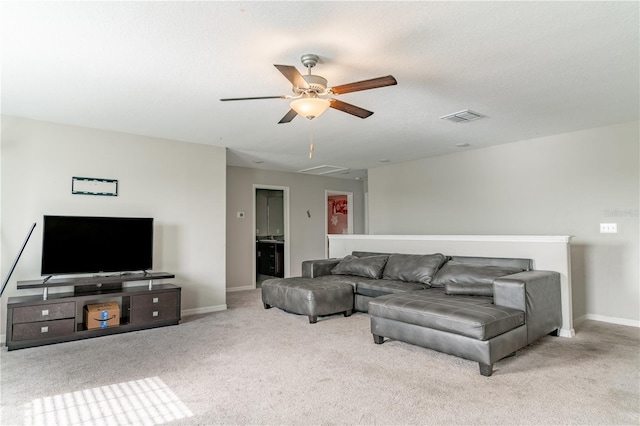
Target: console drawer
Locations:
point(165, 299)
point(146, 314)
point(152, 307)
point(43, 329)
point(52, 311)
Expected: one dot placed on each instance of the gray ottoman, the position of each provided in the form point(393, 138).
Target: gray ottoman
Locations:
point(306, 296)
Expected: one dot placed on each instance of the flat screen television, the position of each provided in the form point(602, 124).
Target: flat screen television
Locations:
point(81, 244)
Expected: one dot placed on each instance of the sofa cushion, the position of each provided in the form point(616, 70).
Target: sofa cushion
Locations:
point(369, 267)
point(375, 288)
point(458, 277)
point(474, 317)
point(412, 267)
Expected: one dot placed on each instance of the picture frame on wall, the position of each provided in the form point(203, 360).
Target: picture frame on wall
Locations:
point(94, 186)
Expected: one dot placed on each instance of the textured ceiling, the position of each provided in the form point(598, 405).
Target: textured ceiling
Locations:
point(160, 68)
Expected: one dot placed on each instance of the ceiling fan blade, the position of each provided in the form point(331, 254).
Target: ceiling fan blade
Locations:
point(349, 109)
point(288, 116)
point(251, 99)
point(364, 85)
point(293, 75)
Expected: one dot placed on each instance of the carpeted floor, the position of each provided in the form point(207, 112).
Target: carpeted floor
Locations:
point(248, 365)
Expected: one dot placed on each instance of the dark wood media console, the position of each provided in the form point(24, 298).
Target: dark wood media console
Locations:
point(58, 317)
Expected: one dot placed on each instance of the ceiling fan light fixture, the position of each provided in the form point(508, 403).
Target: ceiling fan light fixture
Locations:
point(308, 89)
point(310, 107)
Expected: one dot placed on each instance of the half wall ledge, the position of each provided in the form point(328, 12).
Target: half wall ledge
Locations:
point(548, 252)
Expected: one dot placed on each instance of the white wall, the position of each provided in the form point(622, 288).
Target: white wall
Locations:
point(307, 234)
point(181, 185)
point(565, 184)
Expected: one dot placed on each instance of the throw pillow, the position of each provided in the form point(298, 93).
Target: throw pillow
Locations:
point(469, 289)
point(468, 274)
point(413, 267)
point(368, 267)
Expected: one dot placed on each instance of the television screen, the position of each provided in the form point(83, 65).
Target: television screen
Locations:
point(77, 244)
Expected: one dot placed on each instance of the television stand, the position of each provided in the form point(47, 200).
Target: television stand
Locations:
point(58, 317)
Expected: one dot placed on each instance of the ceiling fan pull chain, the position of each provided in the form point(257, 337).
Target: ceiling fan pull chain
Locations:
point(311, 140)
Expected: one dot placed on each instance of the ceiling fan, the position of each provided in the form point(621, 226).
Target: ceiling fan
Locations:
point(310, 91)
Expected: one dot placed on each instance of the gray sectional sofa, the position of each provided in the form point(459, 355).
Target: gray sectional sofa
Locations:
point(478, 308)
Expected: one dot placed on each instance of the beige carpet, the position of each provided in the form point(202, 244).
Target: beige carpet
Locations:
point(248, 365)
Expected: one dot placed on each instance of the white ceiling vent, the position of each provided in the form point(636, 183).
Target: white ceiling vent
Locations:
point(323, 170)
point(462, 116)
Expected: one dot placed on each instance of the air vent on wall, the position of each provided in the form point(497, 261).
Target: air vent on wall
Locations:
point(323, 170)
point(462, 116)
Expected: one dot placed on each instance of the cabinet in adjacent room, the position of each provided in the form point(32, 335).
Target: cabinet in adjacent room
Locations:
point(270, 258)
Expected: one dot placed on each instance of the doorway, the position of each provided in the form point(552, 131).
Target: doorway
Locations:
point(338, 214)
point(271, 237)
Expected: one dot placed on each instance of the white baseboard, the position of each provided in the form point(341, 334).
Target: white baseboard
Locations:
point(247, 287)
point(603, 318)
point(205, 310)
point(3, 339)
point(567, 332)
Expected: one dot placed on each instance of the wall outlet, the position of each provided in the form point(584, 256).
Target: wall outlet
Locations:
point(608, 228)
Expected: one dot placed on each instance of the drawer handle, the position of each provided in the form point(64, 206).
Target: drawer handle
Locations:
point(155, 313)
point(45, 312)
point(44, 329)
point(155, 300)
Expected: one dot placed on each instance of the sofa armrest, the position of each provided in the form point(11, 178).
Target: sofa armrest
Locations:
point(537, 293)
point(319, 267)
